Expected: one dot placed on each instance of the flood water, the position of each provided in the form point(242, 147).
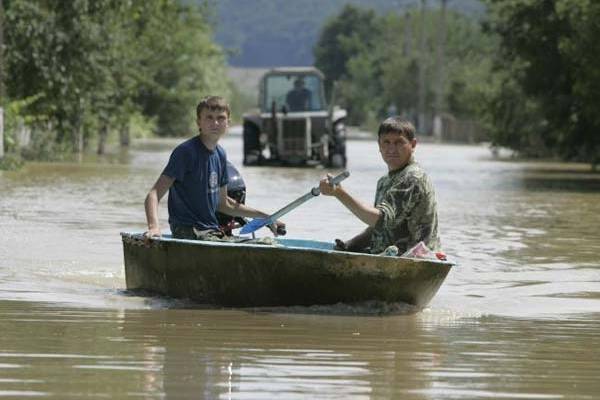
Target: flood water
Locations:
point(517, 318)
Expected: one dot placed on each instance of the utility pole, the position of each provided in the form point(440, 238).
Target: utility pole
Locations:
point(1, 79)
point(407, 48)
point(439, 90)
point(422, 59)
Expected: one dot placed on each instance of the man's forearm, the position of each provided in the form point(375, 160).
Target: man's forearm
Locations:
point(360, 241)
point(235, 209)
point(163, 183)
point(368, 215)
point(151, 207)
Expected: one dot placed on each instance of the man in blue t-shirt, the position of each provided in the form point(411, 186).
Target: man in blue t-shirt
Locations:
point(196, 178)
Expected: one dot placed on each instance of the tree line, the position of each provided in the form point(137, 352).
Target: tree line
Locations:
point(284, 32)
point(78, 71)
point(527, 72)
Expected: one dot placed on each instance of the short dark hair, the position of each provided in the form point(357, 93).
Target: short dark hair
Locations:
point(213, 103)
point(397, 125)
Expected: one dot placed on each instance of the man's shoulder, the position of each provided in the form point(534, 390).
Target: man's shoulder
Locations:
point(418, 178)
point(182, 158)
point(220, 150)
point(383, 181)
point(412, 175)
point(188, 145)
point(415, 171)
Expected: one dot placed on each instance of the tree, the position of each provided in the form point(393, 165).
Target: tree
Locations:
point(1, 80)
point(351, 32)
point(181, 67)
point(94, 65)
point(71, 53)
point(381, 73)
point(553, 50)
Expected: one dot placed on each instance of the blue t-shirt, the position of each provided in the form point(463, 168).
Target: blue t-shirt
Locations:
point(199, 173)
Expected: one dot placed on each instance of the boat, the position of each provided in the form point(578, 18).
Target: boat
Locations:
point(291, 272)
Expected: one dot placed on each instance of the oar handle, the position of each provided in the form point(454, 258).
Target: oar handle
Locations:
point(332, 181)
point(338, 178)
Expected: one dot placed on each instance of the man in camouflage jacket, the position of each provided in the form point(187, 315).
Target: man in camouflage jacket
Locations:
point(405, 210)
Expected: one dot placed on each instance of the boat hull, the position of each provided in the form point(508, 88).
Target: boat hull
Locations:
point(294, 273)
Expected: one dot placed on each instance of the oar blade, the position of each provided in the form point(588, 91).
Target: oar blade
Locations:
point(254, 225)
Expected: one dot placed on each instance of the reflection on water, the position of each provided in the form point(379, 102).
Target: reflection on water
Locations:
point(518, 317)
point(561, 177)
point(234, 354)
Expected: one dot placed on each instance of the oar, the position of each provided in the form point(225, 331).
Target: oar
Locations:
point(258, 223)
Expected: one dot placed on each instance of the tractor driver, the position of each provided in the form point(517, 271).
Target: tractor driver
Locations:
point(298, 99)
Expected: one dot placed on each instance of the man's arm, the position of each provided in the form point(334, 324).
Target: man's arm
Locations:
point(358, 243)
point(229, 206)
point(151, 204)
point(367, 214)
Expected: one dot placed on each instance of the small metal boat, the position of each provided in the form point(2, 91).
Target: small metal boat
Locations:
point(290, 272)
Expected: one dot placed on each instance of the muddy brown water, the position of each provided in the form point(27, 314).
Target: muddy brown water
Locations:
point(518, 318)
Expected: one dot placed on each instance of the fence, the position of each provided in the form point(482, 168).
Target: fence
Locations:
point(451, 129)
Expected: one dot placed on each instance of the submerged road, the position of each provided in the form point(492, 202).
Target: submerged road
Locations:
point(519, 317)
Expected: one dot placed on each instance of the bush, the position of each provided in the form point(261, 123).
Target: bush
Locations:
point(11, 162)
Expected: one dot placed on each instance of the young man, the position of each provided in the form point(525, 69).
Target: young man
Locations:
point(405, 210)
point(196, 178)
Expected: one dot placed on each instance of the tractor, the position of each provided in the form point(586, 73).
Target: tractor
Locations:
point(293, 124)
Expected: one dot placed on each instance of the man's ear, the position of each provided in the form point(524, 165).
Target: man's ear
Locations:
point(413, 143)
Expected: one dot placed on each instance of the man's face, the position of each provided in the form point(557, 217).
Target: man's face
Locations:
point(396, 149)
point(213, 124)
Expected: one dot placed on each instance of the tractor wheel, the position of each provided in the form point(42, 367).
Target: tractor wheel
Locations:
point(337, 149)
point(251, 145)
point(338, 160)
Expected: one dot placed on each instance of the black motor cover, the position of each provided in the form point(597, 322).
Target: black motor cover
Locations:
point(236, 189)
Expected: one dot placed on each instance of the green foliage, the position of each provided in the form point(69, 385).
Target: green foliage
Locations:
point(360, 91)
point(240, 102)
point(44, 146)
point(553, 50)
point(55, 48)
point(378, 66)
point(97, 63)
point(352, 32)
point(468, 67)
point(181, 67)
point(140, 126)
point(17, 113)
point(514, 119)
point(11, 162)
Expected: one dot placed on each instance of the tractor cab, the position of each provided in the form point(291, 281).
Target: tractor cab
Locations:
point(294, 124)
point(293, 93)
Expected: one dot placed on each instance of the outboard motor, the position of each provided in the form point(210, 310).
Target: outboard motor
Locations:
point(236, 189)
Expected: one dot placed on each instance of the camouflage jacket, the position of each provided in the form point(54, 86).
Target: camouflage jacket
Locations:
point(408, 210)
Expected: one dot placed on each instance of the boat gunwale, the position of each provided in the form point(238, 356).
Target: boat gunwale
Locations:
point(281, 246)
